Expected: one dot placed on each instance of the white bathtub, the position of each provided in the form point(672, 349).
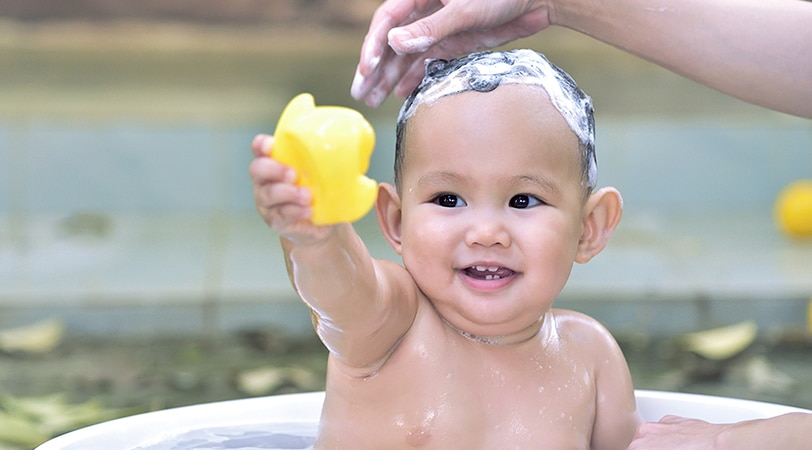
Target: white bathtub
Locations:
point(301, 411)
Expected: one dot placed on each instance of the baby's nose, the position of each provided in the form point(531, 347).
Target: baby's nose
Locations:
point(487, 232)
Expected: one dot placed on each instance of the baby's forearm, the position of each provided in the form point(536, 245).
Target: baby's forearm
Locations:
point(356, 318)
point(336, 276)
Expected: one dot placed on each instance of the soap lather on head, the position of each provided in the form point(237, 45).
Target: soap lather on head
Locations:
point(484, 72)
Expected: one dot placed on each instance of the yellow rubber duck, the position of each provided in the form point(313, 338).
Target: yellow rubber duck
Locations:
point(329, 147)
point(793, 209)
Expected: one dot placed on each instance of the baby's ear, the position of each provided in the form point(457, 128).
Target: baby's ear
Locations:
point(389, 213)
point(602, 213)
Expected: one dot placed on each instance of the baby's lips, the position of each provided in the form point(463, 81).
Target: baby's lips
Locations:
point(329, 147)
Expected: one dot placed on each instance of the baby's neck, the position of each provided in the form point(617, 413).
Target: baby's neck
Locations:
point(509, 339)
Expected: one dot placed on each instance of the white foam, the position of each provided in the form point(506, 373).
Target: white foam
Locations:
point(485, 71)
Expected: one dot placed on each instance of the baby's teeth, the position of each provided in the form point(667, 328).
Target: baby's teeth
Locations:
point(489, 269)
point(492, 277)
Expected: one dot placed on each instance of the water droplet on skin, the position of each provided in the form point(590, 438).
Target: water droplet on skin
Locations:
point(418, 437)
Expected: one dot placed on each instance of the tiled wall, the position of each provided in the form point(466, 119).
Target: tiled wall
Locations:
point(186, 252)
point(659, 166)
point(700, 166)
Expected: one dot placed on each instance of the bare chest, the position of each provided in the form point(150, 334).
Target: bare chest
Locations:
point(435, 399)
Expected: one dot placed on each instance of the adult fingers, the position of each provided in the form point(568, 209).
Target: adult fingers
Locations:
point(420, 35)
point(388, 15)
point(370, 83)
point(391, 74)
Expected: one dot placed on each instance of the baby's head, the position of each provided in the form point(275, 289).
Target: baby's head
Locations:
point(484, 72)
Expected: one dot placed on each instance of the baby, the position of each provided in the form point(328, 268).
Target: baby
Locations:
point(459, 347)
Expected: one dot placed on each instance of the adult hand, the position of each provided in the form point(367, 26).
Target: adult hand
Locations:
point(403, 33)
point(676, 433)
point(787, 431)
point(748, 49)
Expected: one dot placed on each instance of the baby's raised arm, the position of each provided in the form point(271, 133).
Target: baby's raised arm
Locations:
point(361, 306)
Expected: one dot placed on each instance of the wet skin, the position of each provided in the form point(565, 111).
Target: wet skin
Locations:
point(489, 219)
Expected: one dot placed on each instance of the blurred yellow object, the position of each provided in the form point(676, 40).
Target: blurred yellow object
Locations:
point(793, 209)
point(40, 337)
point(809, 316)
point(721, 343)
point(329, 147)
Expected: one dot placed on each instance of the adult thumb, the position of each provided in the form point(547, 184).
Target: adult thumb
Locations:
point(421, 35)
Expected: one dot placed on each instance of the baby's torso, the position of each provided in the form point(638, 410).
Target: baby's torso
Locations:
point(441, 390)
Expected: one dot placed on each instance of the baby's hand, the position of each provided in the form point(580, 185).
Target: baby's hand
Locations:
point(284, 206)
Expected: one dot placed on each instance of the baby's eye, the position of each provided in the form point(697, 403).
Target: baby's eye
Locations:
point(523, 201)
point(449, 201)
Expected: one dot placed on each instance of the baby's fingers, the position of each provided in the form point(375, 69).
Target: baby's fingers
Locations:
point(274, 185)
point(269, 195)
point(278, 199)
point(282, 204)
point(261, 145)
point(265, 170)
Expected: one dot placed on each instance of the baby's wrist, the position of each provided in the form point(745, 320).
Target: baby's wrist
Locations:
point(308, 240)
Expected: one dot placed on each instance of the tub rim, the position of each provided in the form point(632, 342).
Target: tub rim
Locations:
point(129, 432)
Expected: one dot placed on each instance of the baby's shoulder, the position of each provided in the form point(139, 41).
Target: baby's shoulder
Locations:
point(581, 328)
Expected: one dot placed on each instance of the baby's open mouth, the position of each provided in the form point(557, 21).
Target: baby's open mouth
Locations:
point(488, 272)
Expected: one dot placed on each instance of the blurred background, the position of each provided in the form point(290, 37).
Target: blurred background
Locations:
point(135, 274)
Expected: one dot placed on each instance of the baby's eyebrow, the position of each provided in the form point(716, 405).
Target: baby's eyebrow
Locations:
point(438, 179)
point(444, 178)
point(543, 183)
